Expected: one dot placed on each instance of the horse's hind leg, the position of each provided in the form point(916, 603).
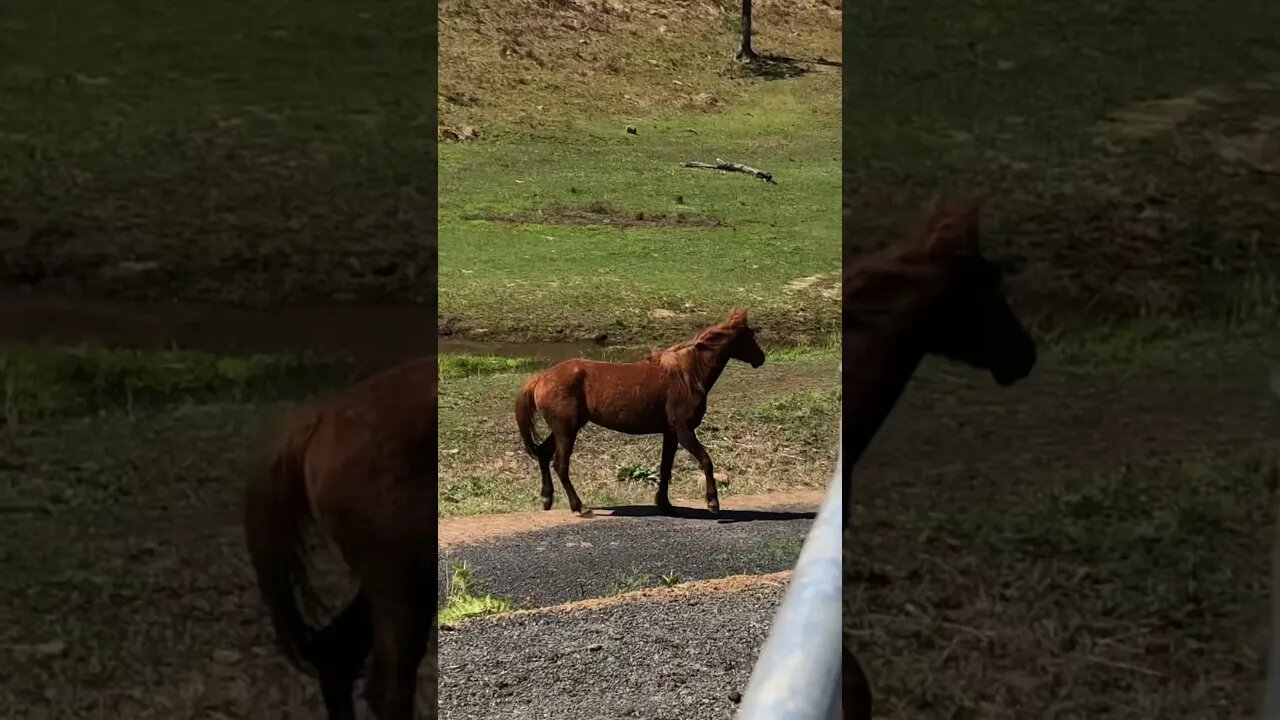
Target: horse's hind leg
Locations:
point(694, 446)
point(564, 450)
point(546, 453)
point(341, 648)
point(401, 633)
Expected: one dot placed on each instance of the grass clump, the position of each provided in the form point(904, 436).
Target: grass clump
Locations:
point(466, 598)
point(633, 472)
point(630, 581)
point(463, 366)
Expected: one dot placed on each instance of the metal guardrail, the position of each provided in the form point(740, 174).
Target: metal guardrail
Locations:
point(1271, 689)
point(798, 673)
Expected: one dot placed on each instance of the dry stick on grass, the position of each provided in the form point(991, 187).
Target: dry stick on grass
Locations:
point(733, 167)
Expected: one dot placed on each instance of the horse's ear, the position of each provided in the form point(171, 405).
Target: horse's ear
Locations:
point(737, 317)
point(954, 227)
point(932, 215)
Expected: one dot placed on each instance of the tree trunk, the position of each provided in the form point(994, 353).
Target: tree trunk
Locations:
point(746, 52)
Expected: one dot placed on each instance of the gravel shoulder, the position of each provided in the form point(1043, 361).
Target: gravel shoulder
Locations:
point(669, 656)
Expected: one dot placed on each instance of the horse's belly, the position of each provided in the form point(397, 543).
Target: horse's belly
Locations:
point(630, 420)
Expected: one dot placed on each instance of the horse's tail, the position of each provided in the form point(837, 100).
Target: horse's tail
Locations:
point(525, 408)
point(276, 520)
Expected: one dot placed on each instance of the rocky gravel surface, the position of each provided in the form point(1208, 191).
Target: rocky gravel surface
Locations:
point(670, 656)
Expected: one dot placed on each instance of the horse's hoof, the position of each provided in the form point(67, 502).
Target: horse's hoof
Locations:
point(714, 506)
point(547, 502)
point(584, 513)
point(667, 509)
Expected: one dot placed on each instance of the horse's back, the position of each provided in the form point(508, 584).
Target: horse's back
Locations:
point(369, 463)
point(626, 397)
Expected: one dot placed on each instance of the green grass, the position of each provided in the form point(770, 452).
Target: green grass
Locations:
point(629, 581)
point(633, 472)
point(1011, 99)
point(635, 580)
point(1094, 541)
point(176, 152)
point(460, 366)
point(37, 381)
point(639, 284)
point(466, 598)
point(805, 418)
point(113, 511)
point(1141, 586)
point(553, 276)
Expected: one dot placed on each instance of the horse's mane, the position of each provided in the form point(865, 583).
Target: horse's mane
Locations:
point(881, 284)
point(683, 362)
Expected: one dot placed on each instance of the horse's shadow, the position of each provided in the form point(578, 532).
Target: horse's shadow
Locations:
point(723, 517)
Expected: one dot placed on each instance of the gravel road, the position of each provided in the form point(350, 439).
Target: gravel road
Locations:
point(680, 657)
point(597, 558)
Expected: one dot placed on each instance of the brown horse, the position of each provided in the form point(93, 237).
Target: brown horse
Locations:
point(665, 393)
point(359, 466)
point(934, 294)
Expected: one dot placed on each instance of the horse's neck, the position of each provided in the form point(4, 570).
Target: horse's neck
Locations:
point(874, 376)
point(709, 368)
point(876, 372)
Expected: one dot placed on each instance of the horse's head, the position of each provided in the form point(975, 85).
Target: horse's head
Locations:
point(969, 319)
point(742, 343)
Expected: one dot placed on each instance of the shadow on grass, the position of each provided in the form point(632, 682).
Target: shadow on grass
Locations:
point(781, 67)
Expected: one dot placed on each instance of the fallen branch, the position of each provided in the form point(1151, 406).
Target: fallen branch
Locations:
point(733, 167)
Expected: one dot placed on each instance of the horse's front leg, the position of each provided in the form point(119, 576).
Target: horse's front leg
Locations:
point(691, 443)
point(669, 447)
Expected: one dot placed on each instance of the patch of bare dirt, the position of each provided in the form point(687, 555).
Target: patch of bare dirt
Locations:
point(664, 314)
point(453, 532)
point(601, 215)
point(458, 133)
point(825, 284)
point(1253, 138)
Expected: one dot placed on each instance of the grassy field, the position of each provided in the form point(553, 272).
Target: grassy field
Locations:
point(129, 595)
point(237, 153)
point(126, 589)
point(1128, 154)
point(1095, 542)
point(592, 231)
